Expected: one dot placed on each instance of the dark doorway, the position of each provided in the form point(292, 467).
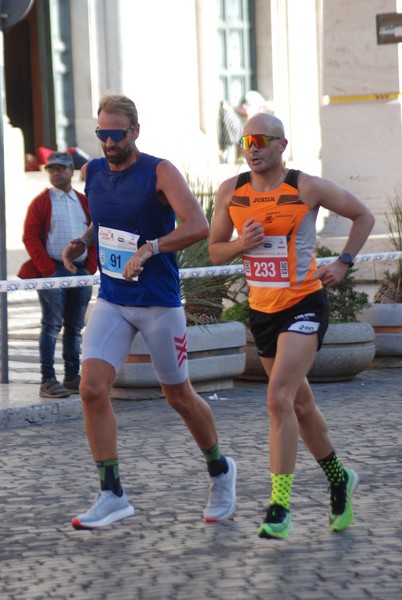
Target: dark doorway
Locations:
point(24, 76)
point(37, 57)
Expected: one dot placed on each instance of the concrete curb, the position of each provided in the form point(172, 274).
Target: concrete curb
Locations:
point(21, 406)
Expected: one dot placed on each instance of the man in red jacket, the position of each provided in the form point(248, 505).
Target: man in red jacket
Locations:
point(56, 216)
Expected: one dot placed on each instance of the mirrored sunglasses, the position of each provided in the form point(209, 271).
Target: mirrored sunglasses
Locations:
point(117, 135)
point(259, 140)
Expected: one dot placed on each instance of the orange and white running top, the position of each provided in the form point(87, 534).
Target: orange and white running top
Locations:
point(278, 272)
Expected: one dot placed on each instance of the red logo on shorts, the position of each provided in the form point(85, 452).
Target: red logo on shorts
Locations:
point(181, 347)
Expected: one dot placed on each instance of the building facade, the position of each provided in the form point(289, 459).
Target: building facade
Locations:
point(317, 64)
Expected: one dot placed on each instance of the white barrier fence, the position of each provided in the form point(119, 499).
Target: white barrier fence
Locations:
point(14, 285)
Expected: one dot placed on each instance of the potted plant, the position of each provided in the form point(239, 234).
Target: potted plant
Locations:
point(239, 311)
point(348, 346)
point(216, 349)
point(204, 298)
point(385, 313)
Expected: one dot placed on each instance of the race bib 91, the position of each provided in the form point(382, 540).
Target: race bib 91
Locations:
point(116, 247)
point(267, 265)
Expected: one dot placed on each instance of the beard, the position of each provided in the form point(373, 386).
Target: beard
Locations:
point(117, 155)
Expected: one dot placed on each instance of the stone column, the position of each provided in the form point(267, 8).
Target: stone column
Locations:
point(361, 111)
point(295, 68)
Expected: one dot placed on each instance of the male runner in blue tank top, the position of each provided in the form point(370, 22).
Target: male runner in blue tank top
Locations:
point(134, 199)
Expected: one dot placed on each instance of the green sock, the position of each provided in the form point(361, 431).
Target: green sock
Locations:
point(281, 489)
point(108, 471)
point(332, 468)
point(216, 461)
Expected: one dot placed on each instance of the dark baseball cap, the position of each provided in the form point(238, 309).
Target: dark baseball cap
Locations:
point(60, 158)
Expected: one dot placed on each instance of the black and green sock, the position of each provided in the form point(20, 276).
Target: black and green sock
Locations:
point(281, 489)
point(333, 469)
point(108, 471)
point(216, 461)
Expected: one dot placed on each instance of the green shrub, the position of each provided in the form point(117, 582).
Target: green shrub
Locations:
point(203, 297)
point(390, 289)
point(345, 301)
point(239, 311)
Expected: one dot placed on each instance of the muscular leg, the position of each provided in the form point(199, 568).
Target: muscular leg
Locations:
point(292, 410)
point(99, 418)
point(106, 342)
point(198, 417)
point(295, 354)
point(111, 504)
point(161, 333)
point(194, 411)
point(312, 426)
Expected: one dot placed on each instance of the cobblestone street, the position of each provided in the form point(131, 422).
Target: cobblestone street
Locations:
point(166, 551)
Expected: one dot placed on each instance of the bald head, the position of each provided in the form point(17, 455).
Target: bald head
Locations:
point(264, 123)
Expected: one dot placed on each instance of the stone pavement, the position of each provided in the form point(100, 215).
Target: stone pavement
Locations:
point(166, 551)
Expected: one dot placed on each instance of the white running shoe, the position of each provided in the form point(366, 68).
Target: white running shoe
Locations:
point(106, 509)
point(222, 495)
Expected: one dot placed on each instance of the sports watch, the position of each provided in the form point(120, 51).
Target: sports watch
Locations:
point(346, 258)
point(155, 246)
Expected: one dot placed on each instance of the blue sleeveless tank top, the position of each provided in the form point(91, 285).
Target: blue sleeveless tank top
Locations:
point(128, 201)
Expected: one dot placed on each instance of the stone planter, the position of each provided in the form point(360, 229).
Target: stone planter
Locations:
point(254, 371)
point(216, 354)
point(347, 350)
point(386, 320)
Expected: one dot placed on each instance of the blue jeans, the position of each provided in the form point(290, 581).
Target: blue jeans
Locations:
point(62, 307)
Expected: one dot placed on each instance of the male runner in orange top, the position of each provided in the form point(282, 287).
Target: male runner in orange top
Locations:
point(274, 210)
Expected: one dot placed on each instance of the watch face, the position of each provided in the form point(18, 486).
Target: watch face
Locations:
point(346, 258)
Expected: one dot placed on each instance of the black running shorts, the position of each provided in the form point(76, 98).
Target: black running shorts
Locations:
point(307, 317)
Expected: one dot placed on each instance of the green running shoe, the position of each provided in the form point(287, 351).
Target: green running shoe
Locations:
point(341, 513)
point(277, 523)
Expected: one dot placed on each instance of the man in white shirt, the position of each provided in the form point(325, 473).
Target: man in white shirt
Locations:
point(56, 216)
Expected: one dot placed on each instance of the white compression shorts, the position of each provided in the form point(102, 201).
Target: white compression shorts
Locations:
point(112, 328)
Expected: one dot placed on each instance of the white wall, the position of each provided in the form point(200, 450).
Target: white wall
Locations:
point(361, 136)
point(164, 57)
point(160, 73)
point(296, 78)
